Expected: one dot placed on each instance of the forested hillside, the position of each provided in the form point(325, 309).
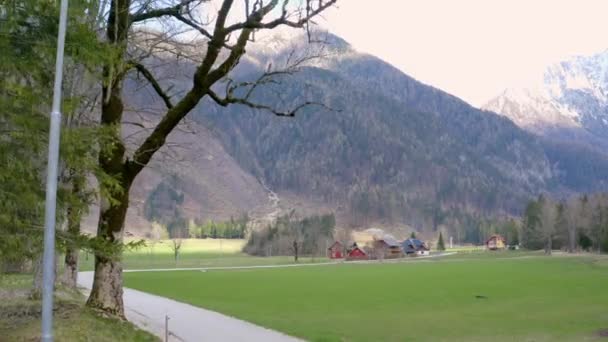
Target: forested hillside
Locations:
point(381, 148)
point(393, 150)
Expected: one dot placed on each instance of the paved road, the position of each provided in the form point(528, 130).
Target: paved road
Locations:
point(357, 262)
point(188, 323)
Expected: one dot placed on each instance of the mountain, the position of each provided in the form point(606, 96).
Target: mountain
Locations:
point(569, 103)
point(395, 151)
point(192, 166)
point(383, 150)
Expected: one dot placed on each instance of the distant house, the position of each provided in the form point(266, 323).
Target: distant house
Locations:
point(356, 253)
point(415, 247)
point(496, 242)
point(388, 247)
point(336, 251)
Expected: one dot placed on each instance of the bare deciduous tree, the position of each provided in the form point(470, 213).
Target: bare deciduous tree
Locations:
point(571, 214)
point(225, 45)
point(548, 220)
point(176, 245)
point(598, 223)
point(296, 246)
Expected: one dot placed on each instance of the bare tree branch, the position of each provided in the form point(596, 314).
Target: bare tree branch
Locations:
point(224, 102)
point(159, 90)
point(252, 23)
point(161, 12)
point(202, 82)
point(178, 13)
point(206, 76)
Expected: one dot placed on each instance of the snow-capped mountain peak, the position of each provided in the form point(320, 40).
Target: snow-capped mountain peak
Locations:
point(570, 101)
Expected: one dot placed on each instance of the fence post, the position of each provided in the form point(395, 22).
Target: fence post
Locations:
point(166, 328)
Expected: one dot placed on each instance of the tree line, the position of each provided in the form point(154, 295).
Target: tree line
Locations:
point(579, 223)
point(231, 229)
point(291, 235)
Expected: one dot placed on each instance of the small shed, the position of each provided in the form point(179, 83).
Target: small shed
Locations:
point(356, 253)
point(336, 251)
point(496, 242)
point(415, 247)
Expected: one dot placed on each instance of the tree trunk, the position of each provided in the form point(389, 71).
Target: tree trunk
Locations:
point(548, 245)
point(70, 273)
point(106, 294)
point(36, 292)
point(572, 240)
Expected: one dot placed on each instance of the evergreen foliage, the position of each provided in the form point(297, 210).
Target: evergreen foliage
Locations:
point(589, 220)
point(163, 204)
point(312, 235)
point(440, 243)
point(28, 39)
point(232, 229)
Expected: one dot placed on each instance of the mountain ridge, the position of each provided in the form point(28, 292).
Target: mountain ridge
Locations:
point(397, 153)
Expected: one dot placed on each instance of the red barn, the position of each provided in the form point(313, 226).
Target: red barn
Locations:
point(356, 253)
point(336, 251)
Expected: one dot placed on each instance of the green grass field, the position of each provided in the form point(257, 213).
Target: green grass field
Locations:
point(526, 297)
point(193, 253)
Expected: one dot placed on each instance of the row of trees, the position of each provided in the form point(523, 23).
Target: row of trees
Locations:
point(291, 235)
point(231, 229)
point(180, 227)
point(578, 223)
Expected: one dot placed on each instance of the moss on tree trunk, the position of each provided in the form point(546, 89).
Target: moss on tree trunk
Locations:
point(106, 294)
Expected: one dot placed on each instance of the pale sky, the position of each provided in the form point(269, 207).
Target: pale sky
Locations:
point(473, 49)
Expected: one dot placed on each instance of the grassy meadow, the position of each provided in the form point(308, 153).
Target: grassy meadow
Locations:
point(193, 253)
point(504, 296)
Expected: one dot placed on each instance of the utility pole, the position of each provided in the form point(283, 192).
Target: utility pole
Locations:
point(48, 262)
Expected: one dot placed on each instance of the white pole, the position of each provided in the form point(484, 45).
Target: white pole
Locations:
point(48, 262)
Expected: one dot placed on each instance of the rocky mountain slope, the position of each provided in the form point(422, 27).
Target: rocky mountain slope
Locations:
point(569, 103)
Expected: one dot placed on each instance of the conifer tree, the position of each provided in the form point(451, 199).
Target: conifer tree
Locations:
point(440, 243)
